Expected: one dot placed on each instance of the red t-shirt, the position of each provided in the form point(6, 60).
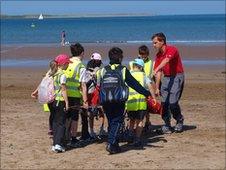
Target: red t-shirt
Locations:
point(174, 66)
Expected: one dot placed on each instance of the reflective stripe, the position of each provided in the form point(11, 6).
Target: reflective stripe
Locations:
point(136, 100)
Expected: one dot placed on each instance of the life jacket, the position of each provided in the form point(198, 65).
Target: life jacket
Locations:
point(137, 101)
point(112, 84)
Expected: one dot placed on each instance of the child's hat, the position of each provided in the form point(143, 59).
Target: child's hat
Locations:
point(139, 62)
point(62, 59)
point(96, 56)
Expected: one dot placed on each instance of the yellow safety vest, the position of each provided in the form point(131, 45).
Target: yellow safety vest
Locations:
point(147, 67)
point(57, 85)
point(73, 74)
point(136, 101)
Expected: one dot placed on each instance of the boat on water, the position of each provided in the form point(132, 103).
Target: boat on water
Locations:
point(40, 17)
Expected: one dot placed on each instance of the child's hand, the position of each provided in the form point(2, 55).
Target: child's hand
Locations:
point(34, 94)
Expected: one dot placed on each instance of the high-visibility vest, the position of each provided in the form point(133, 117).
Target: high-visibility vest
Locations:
point(147, 67)
point(57, 85)
point(136, 101)
point(73, 74)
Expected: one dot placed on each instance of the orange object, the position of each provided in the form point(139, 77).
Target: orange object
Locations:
point(154, 106)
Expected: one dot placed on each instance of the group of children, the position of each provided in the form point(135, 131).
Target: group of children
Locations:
point(77, 93)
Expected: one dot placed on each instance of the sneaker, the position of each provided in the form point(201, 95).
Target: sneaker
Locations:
point(53, 149)
point(179, 127)
point(58, 148)
point(74, 143)
point(113, 149)
point(166, 129)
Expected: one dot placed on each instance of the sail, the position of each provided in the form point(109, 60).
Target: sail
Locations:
point(40, 16)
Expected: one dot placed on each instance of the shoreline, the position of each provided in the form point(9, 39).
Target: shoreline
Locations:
point(130, 51)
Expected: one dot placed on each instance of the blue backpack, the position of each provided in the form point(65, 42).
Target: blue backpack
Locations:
point(112, 86)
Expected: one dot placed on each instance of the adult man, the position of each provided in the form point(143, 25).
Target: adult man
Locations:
point(115, 110)
point(168, 63)
point(77, 91)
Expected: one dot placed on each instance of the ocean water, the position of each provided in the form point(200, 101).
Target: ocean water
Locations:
point(189, 29)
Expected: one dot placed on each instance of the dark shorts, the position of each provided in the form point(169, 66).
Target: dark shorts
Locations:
point(73, 113)
point(138, 115)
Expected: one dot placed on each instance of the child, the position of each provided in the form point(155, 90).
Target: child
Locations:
point(60, 104)
point(136, 105)
point(92, 67)
point(48, 106)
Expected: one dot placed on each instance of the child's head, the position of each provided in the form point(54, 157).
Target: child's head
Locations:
point(77, 49)
point(143, 52)
point(62, 61)
point(138, 64)
point(96, 58)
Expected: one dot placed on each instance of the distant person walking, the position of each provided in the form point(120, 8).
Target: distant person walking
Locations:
point(63, 38)
point(168, 63)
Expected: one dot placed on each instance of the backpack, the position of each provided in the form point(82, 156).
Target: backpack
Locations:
point(46, 93)
point(112, 86)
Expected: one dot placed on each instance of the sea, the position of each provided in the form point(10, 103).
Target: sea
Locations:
point(182, 29)
point(179, 29)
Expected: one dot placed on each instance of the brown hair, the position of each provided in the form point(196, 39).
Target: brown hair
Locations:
point(53, 67)
point(160, 36)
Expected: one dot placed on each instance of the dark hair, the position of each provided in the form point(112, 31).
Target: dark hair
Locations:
point(115, 55)
point(160, 36)
point(76, 49)
point(143, 50)
point(53, 67)
point(93, 63)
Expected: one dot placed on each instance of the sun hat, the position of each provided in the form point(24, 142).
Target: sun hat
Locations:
point(139, 62)
point(62, 59)
point(96, 56)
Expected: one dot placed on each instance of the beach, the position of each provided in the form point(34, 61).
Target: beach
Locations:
point(26, 145)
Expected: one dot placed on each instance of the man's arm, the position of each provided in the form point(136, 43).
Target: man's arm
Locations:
point(161, 65)
point(158, 81)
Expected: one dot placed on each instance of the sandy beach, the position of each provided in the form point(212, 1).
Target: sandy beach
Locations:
point(26, 145)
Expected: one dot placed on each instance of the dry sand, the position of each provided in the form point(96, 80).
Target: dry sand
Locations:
point(26, 145)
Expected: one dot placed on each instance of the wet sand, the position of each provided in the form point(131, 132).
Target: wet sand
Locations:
point(26, 145)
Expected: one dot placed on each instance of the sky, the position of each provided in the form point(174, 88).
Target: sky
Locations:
point(154, 7)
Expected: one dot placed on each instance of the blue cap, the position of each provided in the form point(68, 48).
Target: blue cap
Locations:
point(139, 62)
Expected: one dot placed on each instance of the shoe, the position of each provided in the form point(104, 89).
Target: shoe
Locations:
point(93, 135)
point(58, 148)
point(74, 143)
point(53, 149)
point(102, 132)
point(147, 127)
point(166, 129)
point(138, 144)
point(113, 149)
point(179, 127)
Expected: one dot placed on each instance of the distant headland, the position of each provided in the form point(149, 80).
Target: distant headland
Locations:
point(33, 16)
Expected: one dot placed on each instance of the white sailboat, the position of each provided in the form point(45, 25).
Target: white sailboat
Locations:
point(40, 17)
